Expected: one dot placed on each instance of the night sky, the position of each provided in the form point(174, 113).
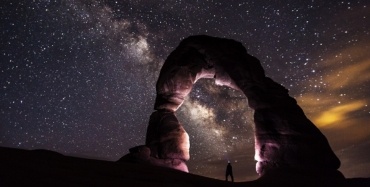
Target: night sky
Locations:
point(78, 77)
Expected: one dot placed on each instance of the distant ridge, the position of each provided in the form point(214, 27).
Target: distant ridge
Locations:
point(47, 168)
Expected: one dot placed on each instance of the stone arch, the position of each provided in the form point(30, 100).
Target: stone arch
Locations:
point(284, 136)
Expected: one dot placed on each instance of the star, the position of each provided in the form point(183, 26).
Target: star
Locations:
point(79, 77)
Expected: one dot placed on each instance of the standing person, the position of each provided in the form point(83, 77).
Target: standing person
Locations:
point(229, 171)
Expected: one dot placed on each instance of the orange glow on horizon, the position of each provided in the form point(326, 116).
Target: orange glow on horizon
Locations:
point(337, 114)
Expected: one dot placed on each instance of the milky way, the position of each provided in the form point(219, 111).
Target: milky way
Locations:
point(78, 77)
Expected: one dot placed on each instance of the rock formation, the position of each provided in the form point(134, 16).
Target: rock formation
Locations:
point(284, 137)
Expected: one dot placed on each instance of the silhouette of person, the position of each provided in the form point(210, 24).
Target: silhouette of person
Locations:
point(229, 171)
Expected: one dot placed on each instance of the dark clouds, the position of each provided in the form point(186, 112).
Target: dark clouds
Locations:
point(78, 77)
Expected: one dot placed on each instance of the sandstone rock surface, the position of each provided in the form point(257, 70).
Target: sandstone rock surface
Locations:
point(284, 136)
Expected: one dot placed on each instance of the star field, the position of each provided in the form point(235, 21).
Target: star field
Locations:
point(78, 77)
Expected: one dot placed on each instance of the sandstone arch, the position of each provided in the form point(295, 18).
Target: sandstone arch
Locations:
point(284, 137)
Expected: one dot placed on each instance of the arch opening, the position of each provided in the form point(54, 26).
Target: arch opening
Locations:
point(220, 126)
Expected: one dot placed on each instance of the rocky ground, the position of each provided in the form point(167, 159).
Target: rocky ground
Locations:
point(47, 168)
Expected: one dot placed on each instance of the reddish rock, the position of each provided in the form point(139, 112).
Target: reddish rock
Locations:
point(284, 137)
point(166, 137)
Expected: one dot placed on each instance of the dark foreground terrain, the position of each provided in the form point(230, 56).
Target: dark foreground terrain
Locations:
point(47, 168)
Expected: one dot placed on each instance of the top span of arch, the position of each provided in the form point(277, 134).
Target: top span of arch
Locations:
point(225, 60)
